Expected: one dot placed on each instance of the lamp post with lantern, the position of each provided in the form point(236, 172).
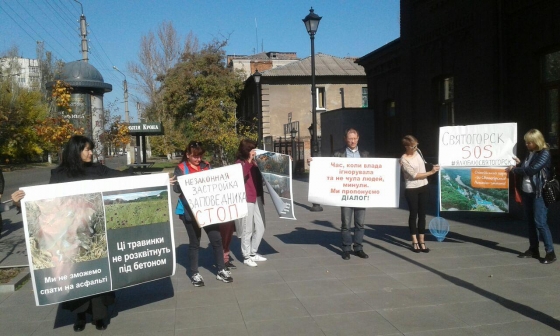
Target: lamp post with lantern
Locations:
point(311, 22)
point(257, 77)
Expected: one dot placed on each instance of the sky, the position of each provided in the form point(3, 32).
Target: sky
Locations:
point(348, 28)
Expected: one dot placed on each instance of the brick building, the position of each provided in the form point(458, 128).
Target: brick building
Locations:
point(466, 62)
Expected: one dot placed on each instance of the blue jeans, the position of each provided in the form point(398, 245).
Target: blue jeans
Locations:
point(346, 216)
point(536, 215)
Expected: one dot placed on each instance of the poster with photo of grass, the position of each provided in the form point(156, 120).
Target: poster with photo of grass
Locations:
point(89, 237)
point(474, 189)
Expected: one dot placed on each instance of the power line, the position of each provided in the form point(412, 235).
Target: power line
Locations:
point(25, 31)
point(60, 16)
point(40, 25)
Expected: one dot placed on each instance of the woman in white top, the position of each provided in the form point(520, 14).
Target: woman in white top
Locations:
point(416, 192)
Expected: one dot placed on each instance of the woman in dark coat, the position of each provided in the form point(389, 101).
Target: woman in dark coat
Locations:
point(535, 170)
point(77, 165)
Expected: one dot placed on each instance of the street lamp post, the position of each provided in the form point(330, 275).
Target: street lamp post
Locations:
point(126, 114)
point(311, 22)
point(257, 77)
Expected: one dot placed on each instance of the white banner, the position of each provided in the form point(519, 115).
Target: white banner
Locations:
point(216, 195)
point(487, 145)
point(354, 182)
point(95, 236)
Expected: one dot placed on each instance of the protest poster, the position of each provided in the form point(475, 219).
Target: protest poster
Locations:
point(486, 145)
point(215, 196)
point(474, 189)
point(355, 182)
point(89, 237)
point(276, 170)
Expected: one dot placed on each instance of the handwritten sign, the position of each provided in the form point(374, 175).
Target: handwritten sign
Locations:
point(486, 145)
point(215, 196)
point(350, 182)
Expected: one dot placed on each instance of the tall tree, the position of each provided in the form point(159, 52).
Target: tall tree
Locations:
point(201, 91)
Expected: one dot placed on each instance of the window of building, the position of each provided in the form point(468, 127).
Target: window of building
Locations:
point(445, 103)
point(34, 69)
point(21, 80)
point(551, 86)
point(321, 98)
point(364, 97)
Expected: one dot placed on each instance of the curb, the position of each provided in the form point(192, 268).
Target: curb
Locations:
point(11, 286)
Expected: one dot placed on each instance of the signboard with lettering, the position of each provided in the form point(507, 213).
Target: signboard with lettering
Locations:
point(215, 196)
point(145, 128)
point(355, 182)
point(486, 145)
point(89, 237)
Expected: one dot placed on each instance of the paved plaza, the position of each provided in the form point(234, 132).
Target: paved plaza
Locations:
point(470, 284)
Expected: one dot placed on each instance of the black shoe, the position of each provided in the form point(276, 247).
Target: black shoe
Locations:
point(423, 248)
point(549, 258)
point(230, 265)
point(100, 325)
point(80, 323)
point(345, 255)
point(530, 253)
point(361, 254)
point(415, 248)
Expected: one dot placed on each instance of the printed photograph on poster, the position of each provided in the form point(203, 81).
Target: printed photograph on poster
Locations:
point(136, 207)
point(474, 189)
point(276, 170)
point(66, 230)
point(274, 163)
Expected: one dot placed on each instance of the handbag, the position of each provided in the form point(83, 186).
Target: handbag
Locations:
point(551, 191)
point(428, 166)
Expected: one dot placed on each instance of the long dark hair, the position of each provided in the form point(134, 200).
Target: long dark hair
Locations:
point(72, 162)
point(193, 148)
point(245, 148)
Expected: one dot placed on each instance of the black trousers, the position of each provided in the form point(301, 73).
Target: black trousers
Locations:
point(417, 199)
point(194, 232)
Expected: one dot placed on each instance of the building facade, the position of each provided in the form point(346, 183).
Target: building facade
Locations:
point(466, 62)
point(23, 71)
point(285, 97)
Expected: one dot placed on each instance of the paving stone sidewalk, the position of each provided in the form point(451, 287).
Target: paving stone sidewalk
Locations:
point(470, 284)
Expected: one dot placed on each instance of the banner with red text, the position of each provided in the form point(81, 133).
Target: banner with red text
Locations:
point(486, 145)
point(89, 237)
point(354, 182)
point(216, 195)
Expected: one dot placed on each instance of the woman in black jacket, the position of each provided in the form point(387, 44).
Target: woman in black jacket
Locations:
point(535, 170)
point(77, 165)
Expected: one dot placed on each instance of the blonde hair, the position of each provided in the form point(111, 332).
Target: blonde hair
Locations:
point(536, 137)
point(407, 140)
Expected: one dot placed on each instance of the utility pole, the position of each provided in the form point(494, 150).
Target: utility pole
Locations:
point(83, 34)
